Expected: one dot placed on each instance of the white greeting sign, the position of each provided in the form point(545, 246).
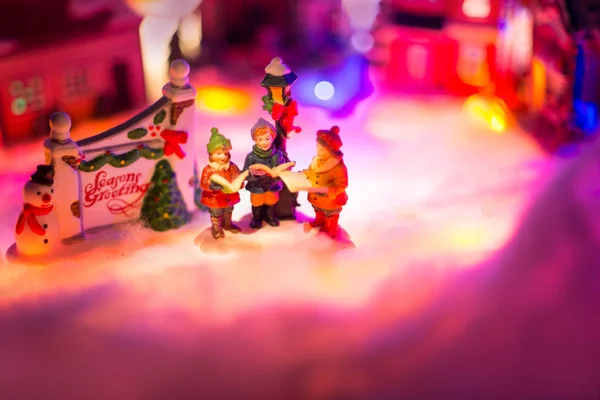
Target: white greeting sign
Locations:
point(114, 195)
point(104, 179)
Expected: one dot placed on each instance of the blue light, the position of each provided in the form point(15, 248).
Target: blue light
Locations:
point(350, 81)
point(324, 90)
point(586, 116)
point(586, 113)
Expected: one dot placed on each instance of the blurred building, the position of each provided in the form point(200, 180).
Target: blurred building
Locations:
point(433, 45)
point(84, 65)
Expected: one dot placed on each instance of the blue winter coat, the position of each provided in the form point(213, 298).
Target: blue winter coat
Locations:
point(264, 183)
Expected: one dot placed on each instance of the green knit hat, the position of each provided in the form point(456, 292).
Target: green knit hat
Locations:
point(217, 141)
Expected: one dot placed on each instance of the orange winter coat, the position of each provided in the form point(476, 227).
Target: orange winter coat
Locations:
point(217, 198)
point(332, 174)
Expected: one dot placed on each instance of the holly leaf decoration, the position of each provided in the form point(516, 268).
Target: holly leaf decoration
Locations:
point(75, 209)
point(71, 160)
point(137, 133)
point(267, 103)
point(160, 117)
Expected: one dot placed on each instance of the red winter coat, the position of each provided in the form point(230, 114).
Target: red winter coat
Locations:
point(216, 198)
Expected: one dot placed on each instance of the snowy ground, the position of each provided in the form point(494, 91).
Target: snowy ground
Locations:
point(455, 289)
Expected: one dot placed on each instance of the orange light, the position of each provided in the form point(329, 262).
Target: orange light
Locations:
point(221, 100)
point(490, 110)
point(497, 123)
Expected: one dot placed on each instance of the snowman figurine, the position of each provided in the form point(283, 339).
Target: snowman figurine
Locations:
point(36, 233)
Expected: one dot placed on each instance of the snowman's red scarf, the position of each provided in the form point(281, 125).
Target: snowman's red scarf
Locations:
point(28, 215)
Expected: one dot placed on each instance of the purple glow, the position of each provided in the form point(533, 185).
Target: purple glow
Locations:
point(350, 80)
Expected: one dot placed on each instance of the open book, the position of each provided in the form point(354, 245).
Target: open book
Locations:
point(260, 169)
point(230, 187)
point(297, 181)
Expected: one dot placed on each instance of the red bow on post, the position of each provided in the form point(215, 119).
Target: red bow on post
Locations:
point(28, 215)
point(173, 142)
point(285, 116)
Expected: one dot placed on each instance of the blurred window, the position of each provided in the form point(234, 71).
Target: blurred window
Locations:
point(27, 94)
point(76, 84)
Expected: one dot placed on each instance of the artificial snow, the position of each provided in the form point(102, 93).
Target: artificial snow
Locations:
point(475, 276)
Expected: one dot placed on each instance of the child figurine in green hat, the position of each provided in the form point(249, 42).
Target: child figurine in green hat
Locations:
point(220, 182)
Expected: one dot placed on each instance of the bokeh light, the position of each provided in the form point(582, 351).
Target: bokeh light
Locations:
point(222, 100)
point(324, 90)
point(491, 110)
point(362, 41)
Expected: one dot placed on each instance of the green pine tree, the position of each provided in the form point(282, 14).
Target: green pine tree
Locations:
point(163, 207)
point(198, 191)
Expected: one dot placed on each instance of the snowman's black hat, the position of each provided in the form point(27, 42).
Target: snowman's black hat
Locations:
point(44, 175)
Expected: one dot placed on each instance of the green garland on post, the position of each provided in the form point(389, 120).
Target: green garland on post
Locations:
point(268, 103)
point(122, 160)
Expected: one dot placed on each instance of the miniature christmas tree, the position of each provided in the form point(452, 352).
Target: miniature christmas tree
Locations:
point(163, 207)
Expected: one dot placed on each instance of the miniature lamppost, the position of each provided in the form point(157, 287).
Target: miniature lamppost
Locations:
point(278, 102)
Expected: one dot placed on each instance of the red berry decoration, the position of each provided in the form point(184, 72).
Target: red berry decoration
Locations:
point(153, 134)
point(158, 128)
point(165, 181)
point(156, 199)
point(107, 152)
point(140, 146)
point(151, 127)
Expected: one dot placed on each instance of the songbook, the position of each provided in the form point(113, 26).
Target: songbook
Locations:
point(230, 187)
point(261, 169)
point(297, 181)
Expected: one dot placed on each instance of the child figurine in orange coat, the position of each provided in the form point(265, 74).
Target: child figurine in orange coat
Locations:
point(219, 200)
point(327, 169)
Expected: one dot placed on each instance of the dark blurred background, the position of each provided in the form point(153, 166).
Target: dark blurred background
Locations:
point(95, 58)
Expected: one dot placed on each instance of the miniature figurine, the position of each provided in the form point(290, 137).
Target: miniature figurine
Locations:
point(327, 169)
point(37, 230)
point(283, 110)
point(220, 182)
point(264, 163)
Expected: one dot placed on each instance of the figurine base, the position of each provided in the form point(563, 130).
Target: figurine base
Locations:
point(12, 256)
point(341, 241)
point(289, 233)
point(232, 243)
point(98, 237)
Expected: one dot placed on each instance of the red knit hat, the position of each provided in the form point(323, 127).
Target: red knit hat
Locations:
point(330, 139)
